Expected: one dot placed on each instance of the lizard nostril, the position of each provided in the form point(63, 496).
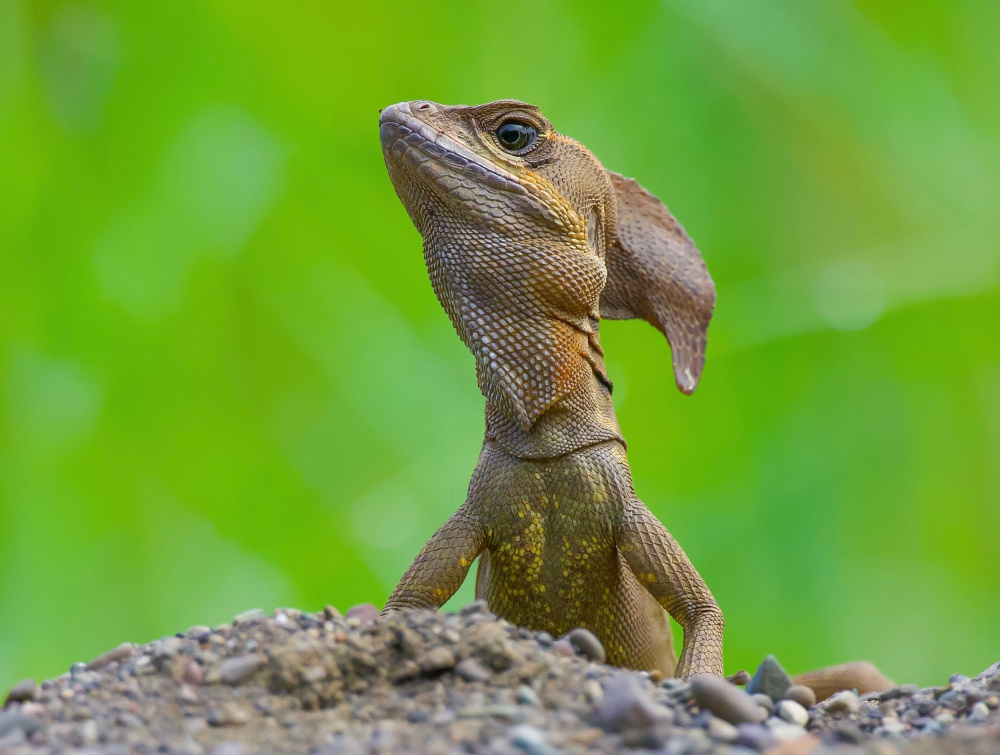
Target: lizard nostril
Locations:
point(423, 106)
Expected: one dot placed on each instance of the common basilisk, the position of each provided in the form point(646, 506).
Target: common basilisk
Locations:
point(530, 242)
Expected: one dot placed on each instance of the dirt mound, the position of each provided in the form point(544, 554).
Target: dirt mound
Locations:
point(448, 683)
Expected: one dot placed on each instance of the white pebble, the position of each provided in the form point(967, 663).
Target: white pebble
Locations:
point(843, 702)
point(722, 731)
point(980, 712)
point(792, 712)
point(783, 730)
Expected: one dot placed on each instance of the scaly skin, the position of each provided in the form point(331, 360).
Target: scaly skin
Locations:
point(527, 249)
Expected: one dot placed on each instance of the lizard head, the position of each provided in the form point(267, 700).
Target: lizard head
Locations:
point(529, 241)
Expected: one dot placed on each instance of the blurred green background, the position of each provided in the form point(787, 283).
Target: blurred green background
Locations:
point(225, 381)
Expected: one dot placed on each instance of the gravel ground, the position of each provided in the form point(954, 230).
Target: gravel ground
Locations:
point(455, 683)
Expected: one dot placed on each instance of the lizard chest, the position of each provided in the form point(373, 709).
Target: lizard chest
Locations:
point(551, 544)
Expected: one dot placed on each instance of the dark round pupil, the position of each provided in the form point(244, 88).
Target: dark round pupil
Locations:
point(514, 135)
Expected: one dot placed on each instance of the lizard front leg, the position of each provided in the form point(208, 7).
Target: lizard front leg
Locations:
point(661, 565)
point(440, 567)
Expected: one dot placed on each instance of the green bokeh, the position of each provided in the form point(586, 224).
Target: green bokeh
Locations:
point(225, 381)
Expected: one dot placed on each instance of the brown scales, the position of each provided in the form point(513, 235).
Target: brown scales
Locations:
point(527, 248)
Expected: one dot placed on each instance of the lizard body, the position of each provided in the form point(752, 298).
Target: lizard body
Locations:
point(529, 241)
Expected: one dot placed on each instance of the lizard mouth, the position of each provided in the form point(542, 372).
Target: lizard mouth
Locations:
point(434, 156)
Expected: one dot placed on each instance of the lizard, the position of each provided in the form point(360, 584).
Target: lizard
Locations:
point(529, 243)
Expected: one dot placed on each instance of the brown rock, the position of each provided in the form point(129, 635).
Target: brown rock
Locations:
point(241, 668)
point(728, 702)
point(119, 654)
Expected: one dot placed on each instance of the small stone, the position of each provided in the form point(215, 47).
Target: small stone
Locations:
point(404, 670)
point(200, 633)
point(472, 670)
point(532, 740)
point(724, 700)
point(119, 654)
point(721, 731)
point(193, 673)
point(527, 696)
point(229, 748)
point(792, 712)
point(89, 733)
point(893, 727)
point(237, 670)
point(755, 737)
point(804, 696)
point(22, 692)
point(186, 694)
point(627, 705)
point(843, 702)
point(741, 678)
point(249, 617)
point(783, 730)
point(167, 647)
point(586, 644)
point(771, 679)
point(592, 692)
point(476, 606)
point(979, 713)
point(990, 672)
point(330, 613)
point(14, 719)
point(436, 660)
point(903, 690)
point(233, 715)
point(563, 648)
point(365, 613)
point(764, 701)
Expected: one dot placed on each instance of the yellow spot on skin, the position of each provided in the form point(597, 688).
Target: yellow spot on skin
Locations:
point(462, 562)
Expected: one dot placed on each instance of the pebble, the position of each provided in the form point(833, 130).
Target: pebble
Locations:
point(193, 673)
point(527, 696)
point(843, 702)
point(119, 654)
point(14, 719)
point(784, 730)
point(755, 737)
point(250, 617)
point(563, 648)
point(472, 670)
point(979, 713)
point(593, 693)
point(792, 712)
point(365, 613)
point(231, 715)
point(771, 679)
point(989, 672)
point(22, 691)
point(586, 644)
point(627, 704)
point(532, 740)
point(764, 701)
point(475, 607)
point(186, 694)
point(721, 731)
point(741, 678)
point(241, 668)
point(436, 660)
point(728, 702)
point(804, 696)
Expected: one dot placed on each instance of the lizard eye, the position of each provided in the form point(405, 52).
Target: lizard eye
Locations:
point(515, 135)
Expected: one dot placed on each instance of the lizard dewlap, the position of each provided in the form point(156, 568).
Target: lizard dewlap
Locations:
point(529, 242)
